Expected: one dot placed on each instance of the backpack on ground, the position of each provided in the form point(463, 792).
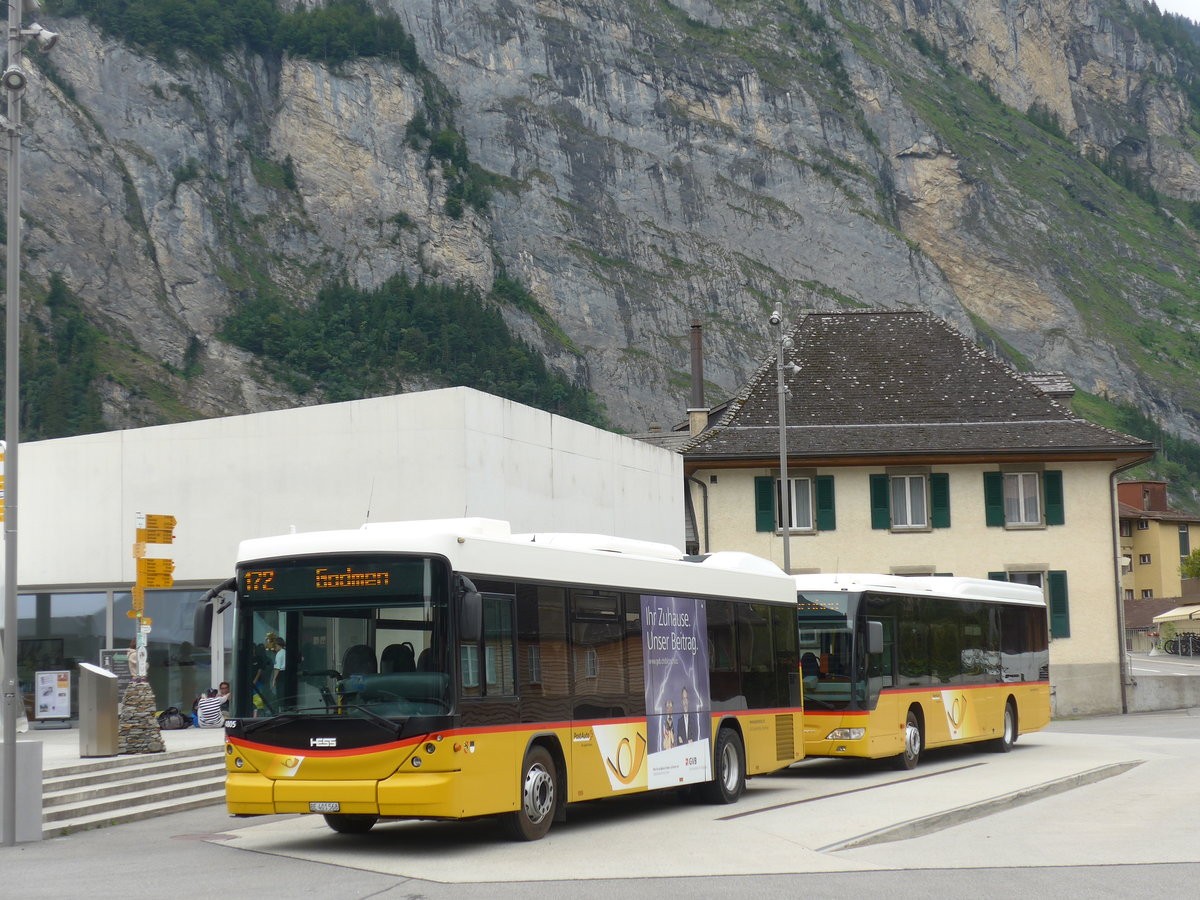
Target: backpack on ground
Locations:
point(172, 719)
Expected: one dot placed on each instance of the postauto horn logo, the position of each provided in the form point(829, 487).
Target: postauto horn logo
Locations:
point(623, 748)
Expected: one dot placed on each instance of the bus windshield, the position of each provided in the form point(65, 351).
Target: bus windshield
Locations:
point(827, 650)
point(344, 636)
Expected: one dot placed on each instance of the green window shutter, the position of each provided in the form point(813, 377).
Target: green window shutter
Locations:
point(881, 510)
point(764, 503)
point(993, 498)
point(1052, 487)
point(1060, 607)
point(997, 576)
point(826, 512)
point(939, 499)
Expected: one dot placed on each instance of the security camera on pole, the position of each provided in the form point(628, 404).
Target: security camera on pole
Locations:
point(13, 81)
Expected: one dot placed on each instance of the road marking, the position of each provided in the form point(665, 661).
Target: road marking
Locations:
point(868, 787)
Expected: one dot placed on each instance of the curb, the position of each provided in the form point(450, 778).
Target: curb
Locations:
point(914, 828)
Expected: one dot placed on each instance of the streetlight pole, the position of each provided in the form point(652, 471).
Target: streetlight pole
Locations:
point(13, 80)
point(785, 494)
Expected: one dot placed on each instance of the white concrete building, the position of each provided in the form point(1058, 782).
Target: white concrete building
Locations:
point(438, 454)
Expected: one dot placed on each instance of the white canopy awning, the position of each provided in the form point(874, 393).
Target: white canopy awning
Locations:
point(1180, 614)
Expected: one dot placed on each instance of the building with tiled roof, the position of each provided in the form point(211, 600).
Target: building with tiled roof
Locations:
point(911, 451)
point(1154, 540)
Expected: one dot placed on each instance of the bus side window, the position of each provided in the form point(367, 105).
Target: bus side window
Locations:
point(499, 664)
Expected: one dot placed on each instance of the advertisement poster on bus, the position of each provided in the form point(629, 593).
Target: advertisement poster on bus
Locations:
point(678, 705)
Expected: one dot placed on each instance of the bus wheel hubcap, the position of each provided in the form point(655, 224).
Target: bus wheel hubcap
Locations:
point(538, 793)
point(729, 767)
point(912, 739)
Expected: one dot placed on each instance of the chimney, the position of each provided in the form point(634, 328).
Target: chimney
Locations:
point(697, 411)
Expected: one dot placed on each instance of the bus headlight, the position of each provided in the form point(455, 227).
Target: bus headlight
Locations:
point(846, 734)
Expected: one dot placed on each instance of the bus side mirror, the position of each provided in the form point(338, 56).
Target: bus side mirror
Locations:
point(874, 637)
point(470, 611)
point(202, 624)
point(202, 620)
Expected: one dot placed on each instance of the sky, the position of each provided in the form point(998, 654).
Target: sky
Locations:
point(1189, 8)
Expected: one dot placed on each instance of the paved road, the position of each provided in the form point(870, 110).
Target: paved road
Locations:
point(1163, 664)
point(1089, 808)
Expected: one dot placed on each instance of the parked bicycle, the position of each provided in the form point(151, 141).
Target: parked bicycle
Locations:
point(1185, 644)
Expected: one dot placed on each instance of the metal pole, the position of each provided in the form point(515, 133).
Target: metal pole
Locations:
point(785, 496)
point(12, 409)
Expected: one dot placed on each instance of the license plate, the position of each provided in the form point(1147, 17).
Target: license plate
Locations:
point(324, 807)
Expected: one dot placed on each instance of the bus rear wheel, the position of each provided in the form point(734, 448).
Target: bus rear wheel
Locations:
point(913, 741)
point(348, 824)
point(729, 769)
point(539, 796)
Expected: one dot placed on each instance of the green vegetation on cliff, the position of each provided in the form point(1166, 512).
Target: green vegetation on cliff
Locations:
point(59, 367)
point(335, 33)
point(353, 343)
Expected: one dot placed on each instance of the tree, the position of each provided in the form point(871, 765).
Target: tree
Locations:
point(1190, 567)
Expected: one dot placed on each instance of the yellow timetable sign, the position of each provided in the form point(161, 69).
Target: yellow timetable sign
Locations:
point(155, 536)
point(155, 573)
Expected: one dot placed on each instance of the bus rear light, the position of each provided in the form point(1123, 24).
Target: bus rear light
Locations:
point(846, 734)
point(416, 762)
point(430, 747)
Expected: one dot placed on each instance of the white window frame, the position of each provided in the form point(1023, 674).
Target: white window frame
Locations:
point(1144, 559)
point(904, 515)
point(591, 663)
point(1020, 506)
point(468, 655)
point(1034, 577)
point(535, 664)
point(799, 508)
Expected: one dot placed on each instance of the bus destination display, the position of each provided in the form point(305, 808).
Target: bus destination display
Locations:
point(357, 578)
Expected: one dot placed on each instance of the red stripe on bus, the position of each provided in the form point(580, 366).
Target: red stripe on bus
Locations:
point(475, 731)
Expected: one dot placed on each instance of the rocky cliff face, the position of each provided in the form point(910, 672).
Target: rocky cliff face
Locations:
point(656, 163)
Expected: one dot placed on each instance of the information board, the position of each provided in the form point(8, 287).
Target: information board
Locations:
point(117, 662)
point(53, 695)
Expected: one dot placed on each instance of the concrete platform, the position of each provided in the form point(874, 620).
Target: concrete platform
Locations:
point(60, 746)
point(1057, 799)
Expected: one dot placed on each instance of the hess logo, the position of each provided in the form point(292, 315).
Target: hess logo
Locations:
point(322, 742)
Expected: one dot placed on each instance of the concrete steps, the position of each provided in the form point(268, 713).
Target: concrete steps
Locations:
point(105, 792)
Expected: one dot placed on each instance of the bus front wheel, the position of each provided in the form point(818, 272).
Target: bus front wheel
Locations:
point(729, 769)
point(347, 824)
point(539, 794)
point(1008, 736)
point(912, 743)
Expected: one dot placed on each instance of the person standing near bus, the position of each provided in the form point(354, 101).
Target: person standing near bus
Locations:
point(279, 663)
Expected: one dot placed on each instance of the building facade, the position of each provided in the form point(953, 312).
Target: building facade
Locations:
point(912, 452)
point(1154, 540)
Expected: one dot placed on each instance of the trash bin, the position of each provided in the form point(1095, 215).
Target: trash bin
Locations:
point(98, 729)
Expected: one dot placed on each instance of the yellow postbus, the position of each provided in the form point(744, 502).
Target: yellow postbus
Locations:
point(894, 665)
point(451, 669)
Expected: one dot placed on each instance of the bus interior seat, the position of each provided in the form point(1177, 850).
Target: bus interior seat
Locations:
point(358, 660)
point(425, 660)
point(398, 658)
